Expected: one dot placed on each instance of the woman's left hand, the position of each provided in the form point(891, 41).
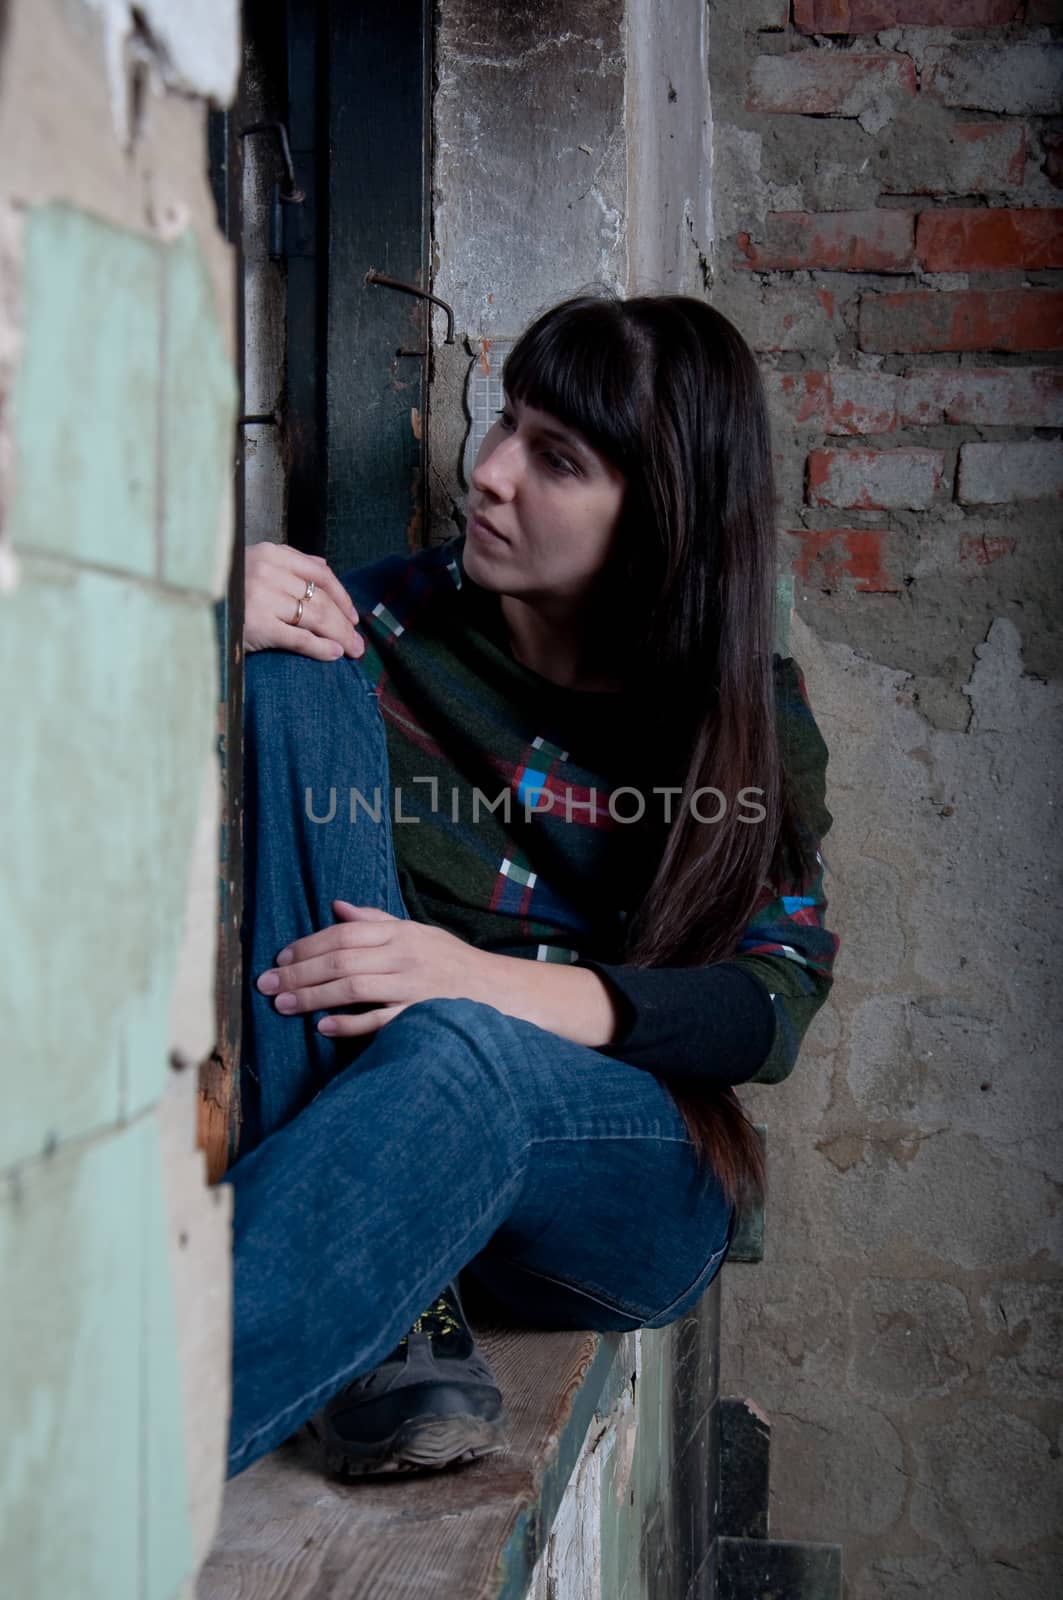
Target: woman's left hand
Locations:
point(370, 957)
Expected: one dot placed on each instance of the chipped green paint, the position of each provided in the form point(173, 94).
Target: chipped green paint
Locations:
point(86, 397)
point(199, 412)
point(92, 1479)
point(637, 1518)
point(633, 1495)
point(124, 402)
point(166, 1555)
point(641, 1544)
point(108, 696)
point(595, 1393)
point(107, 690)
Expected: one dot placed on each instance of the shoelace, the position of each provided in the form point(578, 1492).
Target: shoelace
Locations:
point(446, 1333)
point(439, 1319)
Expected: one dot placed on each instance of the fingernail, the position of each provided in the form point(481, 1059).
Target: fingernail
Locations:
point(285, 958)
point(327, 1025)
point(336, 652)
point(269, 983)
point(286, 1002)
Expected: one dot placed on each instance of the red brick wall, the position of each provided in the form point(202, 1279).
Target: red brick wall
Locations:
point(890, 238)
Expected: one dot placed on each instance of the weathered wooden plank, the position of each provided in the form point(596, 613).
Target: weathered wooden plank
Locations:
point(288, 1531)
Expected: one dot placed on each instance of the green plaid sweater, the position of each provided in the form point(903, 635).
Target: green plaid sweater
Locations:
point(516, 818)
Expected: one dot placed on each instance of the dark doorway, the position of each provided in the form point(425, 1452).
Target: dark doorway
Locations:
point(336, 98)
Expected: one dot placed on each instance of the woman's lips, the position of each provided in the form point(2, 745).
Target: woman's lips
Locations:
point(481, 527)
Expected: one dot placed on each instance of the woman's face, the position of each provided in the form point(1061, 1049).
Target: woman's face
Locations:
point(544, 507)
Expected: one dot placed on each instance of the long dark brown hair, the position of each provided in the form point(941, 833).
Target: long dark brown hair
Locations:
point(669, 392)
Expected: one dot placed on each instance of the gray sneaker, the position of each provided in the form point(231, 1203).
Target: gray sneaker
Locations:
point(433, 1402)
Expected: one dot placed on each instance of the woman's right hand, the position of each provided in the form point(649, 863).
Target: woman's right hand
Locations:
point(275, 580)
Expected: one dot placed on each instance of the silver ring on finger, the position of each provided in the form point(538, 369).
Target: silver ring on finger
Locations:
point(310, 587)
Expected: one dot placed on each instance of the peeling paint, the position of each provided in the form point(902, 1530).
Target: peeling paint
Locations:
point(188, 45)
point(110, 676)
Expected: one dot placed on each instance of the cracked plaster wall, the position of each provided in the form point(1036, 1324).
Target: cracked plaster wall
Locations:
point(905, 1331)
point(571, 151)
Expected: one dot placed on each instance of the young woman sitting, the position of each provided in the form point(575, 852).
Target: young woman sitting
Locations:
point(532, 882)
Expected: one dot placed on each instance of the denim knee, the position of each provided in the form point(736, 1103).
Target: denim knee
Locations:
point(471, 1039)
point(452, 1019)
point(282, 678)
point(457, 1017)
point(311, 721)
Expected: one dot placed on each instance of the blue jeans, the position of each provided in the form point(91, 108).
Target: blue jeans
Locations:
point(372, 1171)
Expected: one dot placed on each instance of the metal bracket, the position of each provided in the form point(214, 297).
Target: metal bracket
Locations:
point(291, 194)
point(291, 230)
point(422, 294)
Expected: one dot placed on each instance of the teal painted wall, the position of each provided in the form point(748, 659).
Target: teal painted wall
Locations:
point(122, 422)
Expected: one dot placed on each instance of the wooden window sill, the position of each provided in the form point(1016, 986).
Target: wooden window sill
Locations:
point(473, 1532)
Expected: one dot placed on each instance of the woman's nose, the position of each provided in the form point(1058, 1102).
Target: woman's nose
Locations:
point(497, 468)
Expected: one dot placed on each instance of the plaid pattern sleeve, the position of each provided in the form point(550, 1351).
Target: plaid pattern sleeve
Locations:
point(787, 944)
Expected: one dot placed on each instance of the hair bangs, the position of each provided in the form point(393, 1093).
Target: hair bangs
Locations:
point(576, 363)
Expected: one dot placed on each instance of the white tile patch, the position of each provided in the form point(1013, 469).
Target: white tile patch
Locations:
point(483, 393)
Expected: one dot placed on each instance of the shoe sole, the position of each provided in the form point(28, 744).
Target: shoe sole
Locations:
point(422, 1446)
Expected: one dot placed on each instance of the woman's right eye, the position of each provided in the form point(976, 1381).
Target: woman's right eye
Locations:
point(505, 418)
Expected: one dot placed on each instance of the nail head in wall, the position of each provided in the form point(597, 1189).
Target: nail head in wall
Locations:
point(171, 219)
